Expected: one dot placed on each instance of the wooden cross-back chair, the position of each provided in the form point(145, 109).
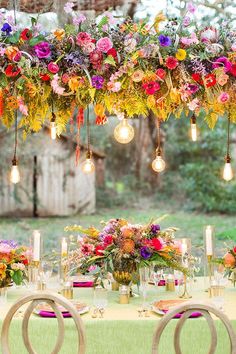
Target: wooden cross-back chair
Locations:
point(187, 309)
point(53, 300)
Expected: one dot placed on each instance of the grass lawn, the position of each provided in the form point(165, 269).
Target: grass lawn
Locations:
point(190, 224)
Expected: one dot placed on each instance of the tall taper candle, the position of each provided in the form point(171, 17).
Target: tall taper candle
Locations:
point(36, 245)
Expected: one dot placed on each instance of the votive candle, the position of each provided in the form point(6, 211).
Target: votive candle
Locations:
point(64, 247)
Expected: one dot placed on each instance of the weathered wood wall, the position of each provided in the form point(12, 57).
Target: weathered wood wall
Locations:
point(63, 189)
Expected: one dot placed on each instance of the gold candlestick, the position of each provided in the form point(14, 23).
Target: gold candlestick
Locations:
point(185, 294)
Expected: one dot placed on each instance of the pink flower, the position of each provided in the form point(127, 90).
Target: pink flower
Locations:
point(222, 62)
point(171, 62)
point(104, 44)
point(222, 79)
point(186, 21)
point(194, 104)
point(42, 50)
point(189, 41)
point(88, 47)
point(209, 35)
point(53, 68)
point(68, 7)
point(233, 47)
point(191, 8)
point(83, 38)
point(77, 20)
point(114, 86)
point(151, 87)
point(55, 85)
point(161, 74)
point(223, 97)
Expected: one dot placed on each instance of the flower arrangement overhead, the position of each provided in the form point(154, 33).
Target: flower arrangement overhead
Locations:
point(118, 66)
point(228, 263)
point(122, 248)
point(13, 262)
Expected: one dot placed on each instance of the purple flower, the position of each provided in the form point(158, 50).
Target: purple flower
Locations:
point(222, 62)
point(42, 50)
point(191, 8)
point(145, 252)
point(6, 28)
point(155, 228)
point(186, 21)
point(97, 82)
point(109, 229)
point(165, 41)
point(193, 88)
point(11, 243)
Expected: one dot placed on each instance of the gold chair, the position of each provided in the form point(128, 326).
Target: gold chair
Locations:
point(187, 309)
point(53, 300)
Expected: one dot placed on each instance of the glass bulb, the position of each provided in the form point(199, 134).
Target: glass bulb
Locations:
point(228, 172)
point(15, 174)
point(158, 165)
point(124, 132)
point(88, 166)
point(194, 131)
point(53, 130)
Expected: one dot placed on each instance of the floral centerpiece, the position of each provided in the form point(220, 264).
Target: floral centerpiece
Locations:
point(169, 67)
point(122, 248)
point(228, 263)
point(13, 261)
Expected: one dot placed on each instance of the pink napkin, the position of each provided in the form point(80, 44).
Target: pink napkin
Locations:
point(162, 282)
point(82, 284)
point(52, 314)
point(193, 315)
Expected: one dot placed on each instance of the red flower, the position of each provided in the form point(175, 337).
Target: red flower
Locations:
point(112, 52)
point(171, 62)
point(99, 250)
point(210, 80)
point(96, 58)
point(101, 120)
point(26, 34)
point(108, 240)
point(12, 71)
point(233, 70)
point(151, 87)
point(234, 249)
point(44, 77)
point(156, 243)
point(197, 78)
point(24, 260)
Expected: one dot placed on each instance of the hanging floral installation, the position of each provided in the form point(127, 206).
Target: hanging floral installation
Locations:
point(168, 67)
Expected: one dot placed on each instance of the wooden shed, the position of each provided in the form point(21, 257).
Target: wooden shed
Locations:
point(51, 184)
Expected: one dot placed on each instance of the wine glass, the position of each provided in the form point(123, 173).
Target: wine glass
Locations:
point(100, 299)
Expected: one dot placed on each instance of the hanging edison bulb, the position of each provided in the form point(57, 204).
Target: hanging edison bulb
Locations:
point(53, 127)
point(158, 164)
point(228, 171)
point(124, 132)
point(15, 173)
point(88, 165)
point(194, 128)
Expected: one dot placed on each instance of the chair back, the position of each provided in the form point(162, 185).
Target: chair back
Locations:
point(187, 309)
point(53, 300)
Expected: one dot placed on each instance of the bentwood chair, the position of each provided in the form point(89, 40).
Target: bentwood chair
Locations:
point(187, 309)
point(53, 300)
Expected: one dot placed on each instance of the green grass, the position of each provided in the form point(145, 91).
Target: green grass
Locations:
point(190, 224)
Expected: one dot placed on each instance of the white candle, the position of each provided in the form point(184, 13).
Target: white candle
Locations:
point(36, 245)
point(184, 247)
point(64, 247)
point(209, 240)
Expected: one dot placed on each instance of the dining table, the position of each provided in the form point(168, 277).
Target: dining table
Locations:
point(124, 329)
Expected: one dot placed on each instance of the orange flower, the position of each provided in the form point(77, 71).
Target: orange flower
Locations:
point(128, 246)
point(137, 76)
point(73, 83)
point(99, 109)
point(59, 34)
point(11, 52)
point(3, 268)
point(229, 260)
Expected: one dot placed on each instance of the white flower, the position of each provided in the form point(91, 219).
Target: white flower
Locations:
point(194, 104)
point(130, 44)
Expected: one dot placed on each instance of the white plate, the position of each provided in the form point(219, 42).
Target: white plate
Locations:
point(81, 312)
point(158, 311)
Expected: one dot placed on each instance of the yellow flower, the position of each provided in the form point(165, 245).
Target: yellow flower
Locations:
point(73, 83)
point(99, 109)
point(3, 268)
point(59, 34)
point(180, 54)
point(151, 102)
point(160, 17)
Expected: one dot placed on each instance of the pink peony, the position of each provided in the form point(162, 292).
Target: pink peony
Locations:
point(83, 38)
point(53, 68)
point(171, 62)
point(88, 47)
point(223, 97)
point(104, 44)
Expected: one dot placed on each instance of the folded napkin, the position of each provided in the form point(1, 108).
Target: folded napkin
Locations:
point(193, 315)
point(52, 314)
point(162, 282)
point(83, 284)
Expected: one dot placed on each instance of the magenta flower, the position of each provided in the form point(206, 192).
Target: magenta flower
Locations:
point(42, 50)
point(83, 38)
point(53, 68)
point(222, 62)
point(97, 81)
point(223, 97)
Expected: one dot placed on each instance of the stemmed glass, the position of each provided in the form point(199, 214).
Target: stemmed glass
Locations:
point(100, 300)
point(144, 278)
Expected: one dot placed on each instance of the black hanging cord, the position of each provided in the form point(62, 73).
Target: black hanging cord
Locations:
point(88, 131)
point(228, 137)
point(16, 140)
point(158, 135)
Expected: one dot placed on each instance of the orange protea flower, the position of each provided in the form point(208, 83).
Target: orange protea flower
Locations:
point(59, 34)
point(127, 232)
point(128, 246)
point(11, 52)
